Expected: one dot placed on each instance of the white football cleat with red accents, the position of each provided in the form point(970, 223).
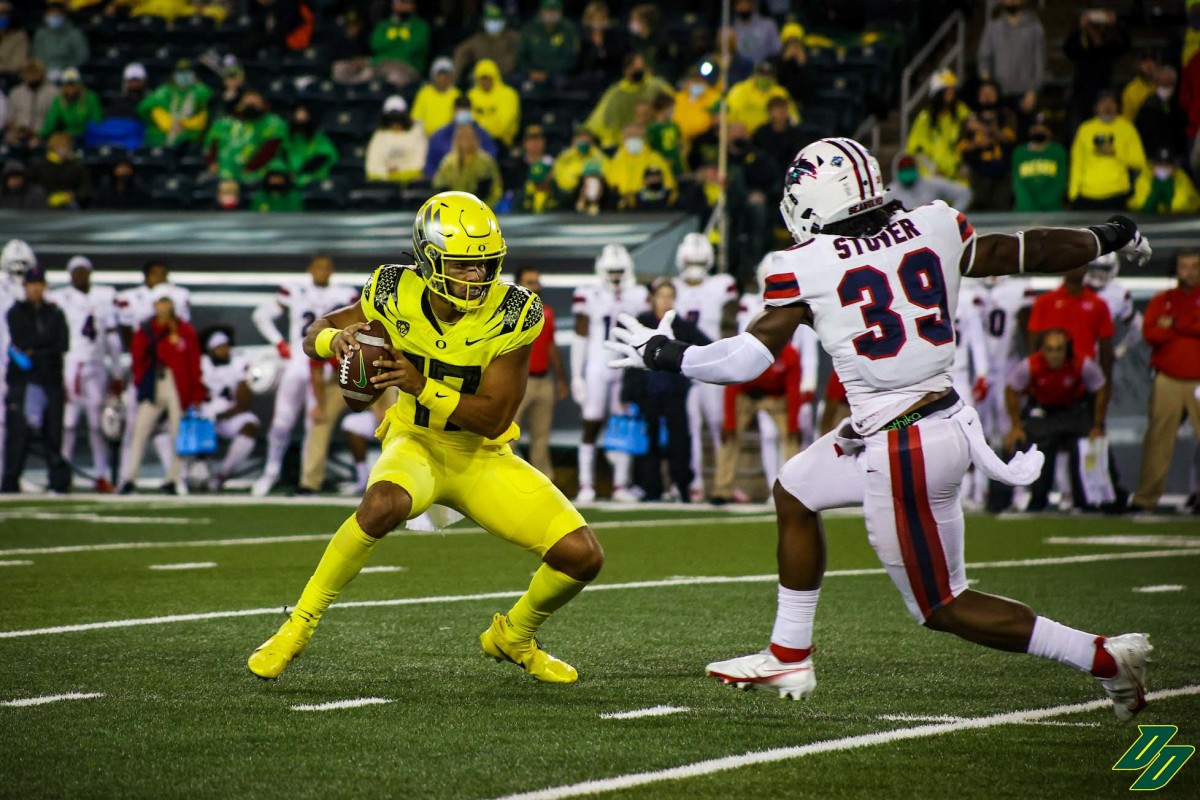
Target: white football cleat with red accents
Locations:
point(792, 679)
point(1127, 688)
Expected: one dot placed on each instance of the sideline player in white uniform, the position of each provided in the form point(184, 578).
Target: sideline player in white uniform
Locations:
point(91, 314)
point(15, 259)
point(594, 386)
point(880, 286)
point(750, 305)
point(225, 379)
point(703, 300)
point(303, 300)
point(1003, 298)
point(969, 375)
point(1101, 277)
point(135, 307)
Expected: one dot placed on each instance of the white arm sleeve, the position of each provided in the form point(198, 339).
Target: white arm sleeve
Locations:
point(579, 348)
point(264, 317)
point(808, 359)
point(737, 359)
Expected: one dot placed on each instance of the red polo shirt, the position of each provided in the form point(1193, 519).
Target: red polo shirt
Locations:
point(1085, 318)
point(539, 356)
point(1177, 348)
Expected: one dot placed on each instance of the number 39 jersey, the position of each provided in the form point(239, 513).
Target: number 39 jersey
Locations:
point(457, 354)
point(883, 306)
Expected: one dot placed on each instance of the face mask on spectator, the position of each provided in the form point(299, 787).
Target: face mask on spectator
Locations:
point(493, 26)
point(634, 145)
point(1163, 173)
point(637, 75)
point(462, 117)
point(404, 16)
point(400, 118)
point(593, 189)
point(185, 78)
point(304, 126)
point(55, 20)
point(695, 90)
point(1164, 92)
point(251, 111)
point(584, 147)
point(1038, 136)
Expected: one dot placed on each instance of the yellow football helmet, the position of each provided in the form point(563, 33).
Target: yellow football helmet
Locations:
point(458, 226)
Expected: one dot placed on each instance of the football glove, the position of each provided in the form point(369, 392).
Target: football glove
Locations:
point(628, 339)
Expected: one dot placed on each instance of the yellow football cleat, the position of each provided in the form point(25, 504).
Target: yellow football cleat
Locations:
point(273, 655)
point(499, 643)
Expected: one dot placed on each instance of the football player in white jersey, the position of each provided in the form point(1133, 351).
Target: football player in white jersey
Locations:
point(594, 386)
point(703, 300)
point(225, 380)
point(880, 285)
point(750, 305)
point(970, 376)
point(15, 259)
point(1101, 277)
point(135, 307)
point(91, 319)
point(303, 300)
point(1003, 298)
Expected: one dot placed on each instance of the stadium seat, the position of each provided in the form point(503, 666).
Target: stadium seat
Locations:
point(327, 195)
point(374, 196)
point(172, 192)
point(368, 96)
point(820, 118)
point(280, 92)
point(348, 125)
point(154, 161)
point(353, 161)
point(319, 96)
point(310, 61)
point(144, 28)
point(194, 33)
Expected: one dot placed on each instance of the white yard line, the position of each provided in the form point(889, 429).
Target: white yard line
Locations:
point(1129, 540)
point(319, 537)
point(53, 698)
point(1161, 587)
point(950, 718)
point(655, 711)
point(383, 568)
point(727, 763)
point(338, 704)
point(15, 563)
point(707, 580)
point(185, 565)
point(95, 518)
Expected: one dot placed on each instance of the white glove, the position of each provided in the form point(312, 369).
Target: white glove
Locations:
point(1137, 250)
point(1024, 467)
point(628, 339)
point(1021, 470)
point(579, 390)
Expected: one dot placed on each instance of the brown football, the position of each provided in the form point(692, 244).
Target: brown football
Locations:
point(356, 371)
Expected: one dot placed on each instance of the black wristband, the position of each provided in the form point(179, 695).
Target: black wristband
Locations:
point(663, 354)
point(1114, 234)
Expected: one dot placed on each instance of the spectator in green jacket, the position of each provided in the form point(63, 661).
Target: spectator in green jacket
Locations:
point(241, 145)
point(278, 191)
point(58, 43)
point(549, 46)
point(74, 107)
point(309, 153)
point(1039, 171)
point(400, 44)
point(177, 111)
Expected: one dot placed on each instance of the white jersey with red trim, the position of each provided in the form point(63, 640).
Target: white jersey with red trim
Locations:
point(703, 304)
point(221, 382)
point(136, 306)
point(601, 305)
point(305, 301)
point(883, 306)
point(1119, 301)
point(1002, 301)
point(971, 359)
point(91, 315)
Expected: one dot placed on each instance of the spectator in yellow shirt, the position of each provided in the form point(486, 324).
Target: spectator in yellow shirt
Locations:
point(934, 134)
point(618, 105)
point(748, 99)
point(1104, 158)
point(1164, 188)
point(1142, 85)
point(626, 171)
point(571, 163)
point(694, 107)
point(433, 106)
point(495, 104)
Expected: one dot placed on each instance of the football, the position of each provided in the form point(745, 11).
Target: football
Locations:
point(355, 372)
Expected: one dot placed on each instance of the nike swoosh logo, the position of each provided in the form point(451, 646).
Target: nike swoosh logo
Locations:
point(362, 373)
point(469, 342)
point(440, 396)
point(768, 674)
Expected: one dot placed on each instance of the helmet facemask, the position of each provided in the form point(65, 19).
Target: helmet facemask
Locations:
point(458, 228)
point(473, 293)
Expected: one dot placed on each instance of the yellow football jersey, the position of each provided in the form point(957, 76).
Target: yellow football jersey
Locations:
point(454, 354)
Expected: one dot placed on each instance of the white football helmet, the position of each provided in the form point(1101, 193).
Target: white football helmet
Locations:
point(262, 376)
point(828, 181)
point(614, 267)
point(16, 257)
point(1101, 272)
point(694, 258)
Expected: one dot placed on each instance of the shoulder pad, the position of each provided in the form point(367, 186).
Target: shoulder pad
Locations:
point(510, 308)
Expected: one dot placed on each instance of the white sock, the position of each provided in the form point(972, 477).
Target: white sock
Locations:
point(622, 465)
point(1060, 643)
point(587, 465)
point(239, 450)
point(769, 446)
point(794, 618)
point(363, 471)
point(99, 451)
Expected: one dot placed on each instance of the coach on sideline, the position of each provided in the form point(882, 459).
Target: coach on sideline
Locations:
point(1172, 328)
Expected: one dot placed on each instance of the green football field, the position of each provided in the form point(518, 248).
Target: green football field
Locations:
point(159, 704)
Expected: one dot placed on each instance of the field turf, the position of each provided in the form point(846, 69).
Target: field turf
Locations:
point(180, 716)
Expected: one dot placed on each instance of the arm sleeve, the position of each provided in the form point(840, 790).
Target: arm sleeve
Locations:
point(808, 359)
point(266, 313)
point(738, 359)
point(1093, 376)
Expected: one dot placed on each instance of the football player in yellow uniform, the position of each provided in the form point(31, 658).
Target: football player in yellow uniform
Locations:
point(460, 358)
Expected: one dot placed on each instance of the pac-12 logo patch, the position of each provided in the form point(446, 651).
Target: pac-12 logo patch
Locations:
point(402, 328)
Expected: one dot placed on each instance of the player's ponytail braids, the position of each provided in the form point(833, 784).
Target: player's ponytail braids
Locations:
point(867, 224)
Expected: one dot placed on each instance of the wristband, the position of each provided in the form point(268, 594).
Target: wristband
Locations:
point(663, 354)
point(439, 398)
point(1114, 234)
point(323, 340)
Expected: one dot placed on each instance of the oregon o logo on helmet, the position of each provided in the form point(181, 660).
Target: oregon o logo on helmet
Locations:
point(1157, 760)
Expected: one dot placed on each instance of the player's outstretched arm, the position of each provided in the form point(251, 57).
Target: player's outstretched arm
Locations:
point(1053, 250)
point(346, 320)
point(737, 359)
